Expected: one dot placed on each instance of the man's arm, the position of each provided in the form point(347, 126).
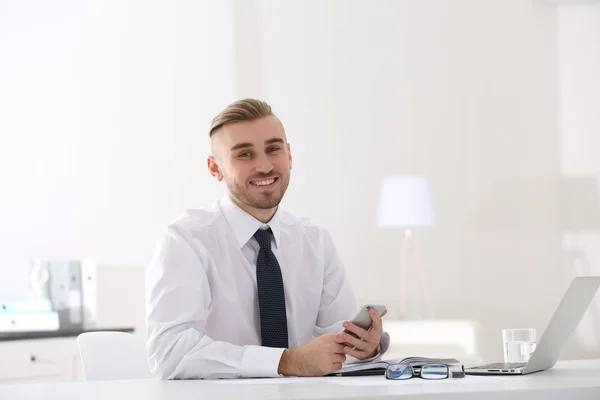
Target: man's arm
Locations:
point(177, 300)
point(338, 303)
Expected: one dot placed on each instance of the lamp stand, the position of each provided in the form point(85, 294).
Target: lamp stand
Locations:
point(410, 250)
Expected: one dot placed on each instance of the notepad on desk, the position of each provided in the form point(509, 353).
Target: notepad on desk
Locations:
point(379, 367)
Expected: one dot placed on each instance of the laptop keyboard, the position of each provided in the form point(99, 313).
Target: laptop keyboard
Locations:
point(502, 366)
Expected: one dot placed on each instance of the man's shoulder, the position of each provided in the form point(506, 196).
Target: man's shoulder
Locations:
point(197, 219)
point(304, 223)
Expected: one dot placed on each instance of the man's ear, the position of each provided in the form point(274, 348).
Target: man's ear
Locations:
point(214, 168)
point(289, 155)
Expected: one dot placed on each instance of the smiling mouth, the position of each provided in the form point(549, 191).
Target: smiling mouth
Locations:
point(264, 182)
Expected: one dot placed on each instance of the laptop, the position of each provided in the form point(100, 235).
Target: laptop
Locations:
point(573, 305)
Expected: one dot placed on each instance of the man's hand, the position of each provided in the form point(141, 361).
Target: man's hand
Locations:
point(363, 343)
point(320, 356)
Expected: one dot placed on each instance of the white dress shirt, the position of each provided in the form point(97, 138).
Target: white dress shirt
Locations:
point(202, 314)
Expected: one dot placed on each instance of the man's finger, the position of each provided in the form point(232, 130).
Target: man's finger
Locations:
point(357, 330)
point(339, 348)
point(356, 353)
point(337, 338)
point(339, 358)
point(377, 324)
point(351, 340)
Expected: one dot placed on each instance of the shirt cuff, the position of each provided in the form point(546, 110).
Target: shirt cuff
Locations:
point(261, 362)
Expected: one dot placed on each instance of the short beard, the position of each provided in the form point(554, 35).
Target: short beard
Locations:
point(271, 201)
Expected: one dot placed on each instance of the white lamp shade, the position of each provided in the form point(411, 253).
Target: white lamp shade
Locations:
point(405, 202)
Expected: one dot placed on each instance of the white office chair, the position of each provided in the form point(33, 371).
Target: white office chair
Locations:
point(112, 355)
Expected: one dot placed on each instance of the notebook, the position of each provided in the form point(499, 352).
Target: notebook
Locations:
point(379, 367)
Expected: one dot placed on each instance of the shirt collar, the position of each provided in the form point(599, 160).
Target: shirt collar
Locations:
point(245, 225)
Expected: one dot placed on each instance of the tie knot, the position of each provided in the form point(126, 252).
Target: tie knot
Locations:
point(263, 237)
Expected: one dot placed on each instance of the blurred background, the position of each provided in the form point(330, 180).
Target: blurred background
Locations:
point(485, 113)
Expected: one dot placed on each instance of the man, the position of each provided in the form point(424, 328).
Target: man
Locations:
point(242, 288)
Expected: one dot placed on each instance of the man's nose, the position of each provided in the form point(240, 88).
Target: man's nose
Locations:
point(263, 165)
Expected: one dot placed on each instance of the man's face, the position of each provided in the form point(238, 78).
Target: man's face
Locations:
point(254, 160)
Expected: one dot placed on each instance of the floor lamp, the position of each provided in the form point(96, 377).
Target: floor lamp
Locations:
point(405, 203)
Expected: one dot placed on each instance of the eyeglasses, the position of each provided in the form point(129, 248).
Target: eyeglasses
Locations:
point(427, 371)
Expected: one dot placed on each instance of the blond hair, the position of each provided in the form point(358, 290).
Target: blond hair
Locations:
point(240, 111)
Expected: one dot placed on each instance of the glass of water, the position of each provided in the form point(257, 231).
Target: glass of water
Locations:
point(519, 344)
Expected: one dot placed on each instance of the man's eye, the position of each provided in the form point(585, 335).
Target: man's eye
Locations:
point(245, 154)
point(272, 149)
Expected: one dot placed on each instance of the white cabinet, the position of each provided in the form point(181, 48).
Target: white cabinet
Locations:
point(40, 360)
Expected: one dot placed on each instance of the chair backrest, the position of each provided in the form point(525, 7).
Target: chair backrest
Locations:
point(112, 355)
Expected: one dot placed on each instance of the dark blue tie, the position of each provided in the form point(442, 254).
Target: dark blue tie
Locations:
point(271, 295)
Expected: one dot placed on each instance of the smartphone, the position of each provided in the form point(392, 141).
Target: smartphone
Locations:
point(363, 319)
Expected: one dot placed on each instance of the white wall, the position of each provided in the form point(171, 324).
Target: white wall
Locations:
point(104, 110)
point(464, 92)
point(579, 78)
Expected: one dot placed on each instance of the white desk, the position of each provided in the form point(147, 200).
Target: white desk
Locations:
point(575, 380)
